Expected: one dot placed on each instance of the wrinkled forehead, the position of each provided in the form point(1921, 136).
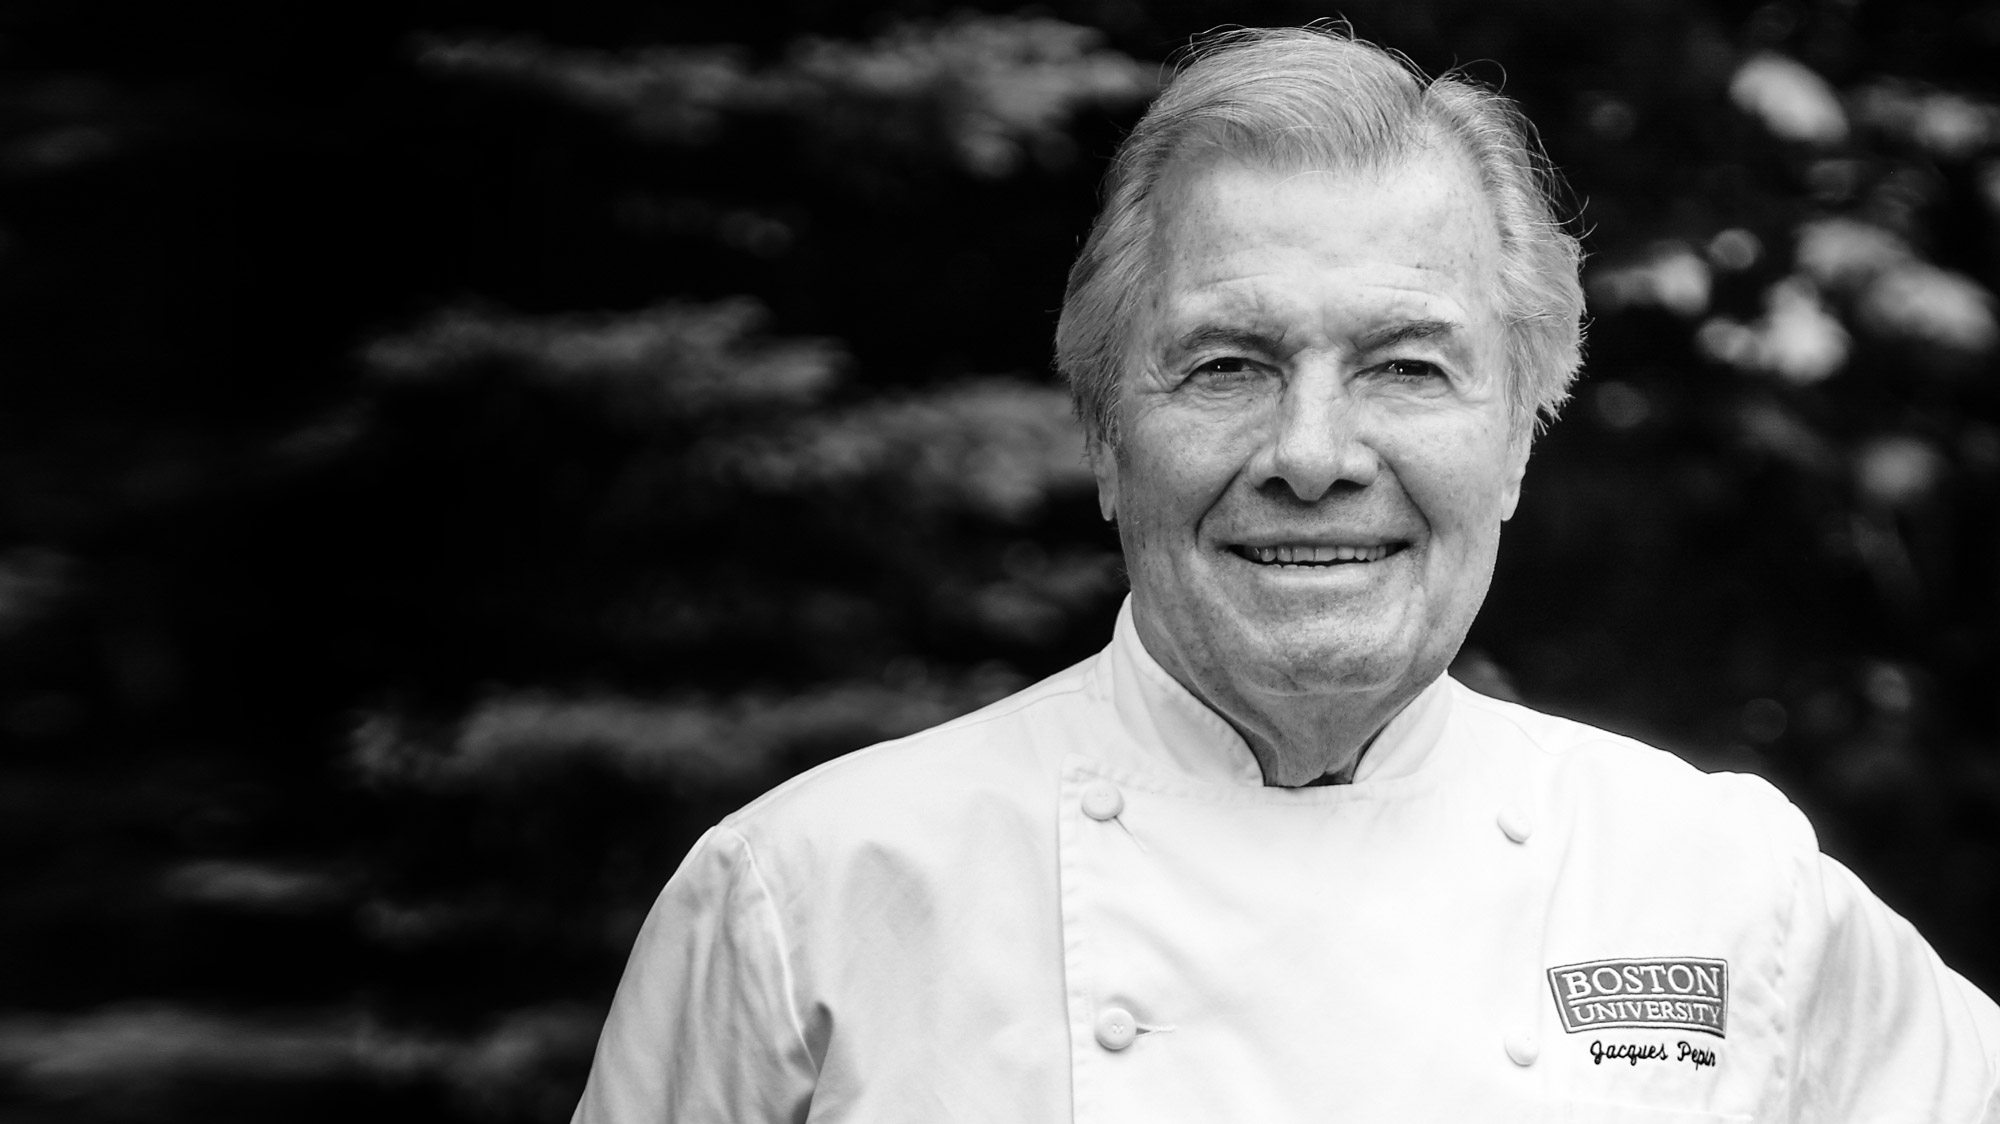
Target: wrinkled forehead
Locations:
point(1423, 210)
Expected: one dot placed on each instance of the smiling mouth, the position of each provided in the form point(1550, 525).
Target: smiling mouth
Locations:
point(1314, 555)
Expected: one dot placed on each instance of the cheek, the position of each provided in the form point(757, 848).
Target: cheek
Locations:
point(1171, 474)
point(1153, 499)
point(1463, 490)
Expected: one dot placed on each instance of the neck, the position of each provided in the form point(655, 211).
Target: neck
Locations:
point(1297, 737)
point(1304, 739)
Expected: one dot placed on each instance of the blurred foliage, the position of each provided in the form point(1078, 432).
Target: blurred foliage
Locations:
point(453, 456)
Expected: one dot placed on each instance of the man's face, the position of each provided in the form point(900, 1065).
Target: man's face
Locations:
point(1316, 448)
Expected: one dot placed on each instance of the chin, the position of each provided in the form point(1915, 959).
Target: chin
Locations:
point(1338, 656)
point(1324, 673)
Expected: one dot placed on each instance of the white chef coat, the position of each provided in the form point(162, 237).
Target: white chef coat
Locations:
point(1082, 903)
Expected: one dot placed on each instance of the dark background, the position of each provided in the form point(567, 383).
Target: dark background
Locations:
point(448, 459)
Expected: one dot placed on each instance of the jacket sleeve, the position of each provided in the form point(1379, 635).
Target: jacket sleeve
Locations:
point(1883, 1030)
point(704, 1027)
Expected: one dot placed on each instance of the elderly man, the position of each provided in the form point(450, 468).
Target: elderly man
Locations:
point(1260, 859)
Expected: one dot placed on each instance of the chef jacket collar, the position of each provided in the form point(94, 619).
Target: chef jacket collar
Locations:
point(1172, 730)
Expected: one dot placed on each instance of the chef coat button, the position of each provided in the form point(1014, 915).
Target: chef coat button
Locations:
point(1115, 1028)
point(1514, 823)
point(1102, 800)
point(1522, 1047)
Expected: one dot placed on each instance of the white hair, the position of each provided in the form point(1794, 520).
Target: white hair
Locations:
point(1315, 98)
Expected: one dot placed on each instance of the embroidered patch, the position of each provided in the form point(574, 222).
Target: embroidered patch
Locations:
point(1672, 992)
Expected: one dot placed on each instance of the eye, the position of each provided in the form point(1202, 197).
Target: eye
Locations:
point(1227, 367)
point(1412, 370)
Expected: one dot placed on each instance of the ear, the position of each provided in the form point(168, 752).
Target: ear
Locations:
point(1104, 466)
point(1516, 468)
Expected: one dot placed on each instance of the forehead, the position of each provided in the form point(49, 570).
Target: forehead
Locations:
point(1411, 237)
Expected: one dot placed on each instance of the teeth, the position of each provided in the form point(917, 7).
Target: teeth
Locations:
point(1305, 555)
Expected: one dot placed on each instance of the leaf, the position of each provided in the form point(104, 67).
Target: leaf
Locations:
point(675, 358)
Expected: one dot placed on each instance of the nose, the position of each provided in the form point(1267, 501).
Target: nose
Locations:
point(1317, 441)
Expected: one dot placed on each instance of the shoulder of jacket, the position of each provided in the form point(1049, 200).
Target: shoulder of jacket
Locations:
point(956, 753)
point(1585, 762)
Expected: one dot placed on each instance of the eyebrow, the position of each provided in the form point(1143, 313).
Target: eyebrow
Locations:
point(1250, 339)
point(1405, 332)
